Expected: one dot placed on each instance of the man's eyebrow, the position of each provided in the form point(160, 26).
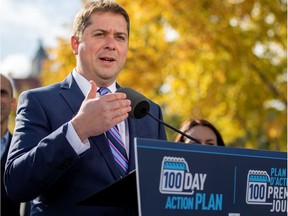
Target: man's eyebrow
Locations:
point(105, 31)
point(122, 33)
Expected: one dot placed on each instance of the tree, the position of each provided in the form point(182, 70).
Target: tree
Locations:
point(60, 64)
point(226, 62)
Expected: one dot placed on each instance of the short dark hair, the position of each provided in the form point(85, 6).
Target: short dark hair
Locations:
point(187, 125)
point(82, 18)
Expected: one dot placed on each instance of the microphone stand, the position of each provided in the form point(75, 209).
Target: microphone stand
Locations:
point(169, 126)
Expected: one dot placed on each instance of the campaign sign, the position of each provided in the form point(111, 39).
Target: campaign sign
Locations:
point(191, 179)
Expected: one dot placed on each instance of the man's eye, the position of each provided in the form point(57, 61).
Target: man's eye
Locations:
point(99, 34)
point(121, 38)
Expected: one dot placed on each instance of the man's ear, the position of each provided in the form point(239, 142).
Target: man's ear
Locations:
point(74, 44)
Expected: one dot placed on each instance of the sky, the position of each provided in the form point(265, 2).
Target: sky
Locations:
point(24, 23)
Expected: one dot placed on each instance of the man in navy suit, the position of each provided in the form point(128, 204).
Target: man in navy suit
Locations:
point(59, 153)
point(8, 206)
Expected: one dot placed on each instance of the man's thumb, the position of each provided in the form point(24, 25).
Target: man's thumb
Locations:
point(93, 90)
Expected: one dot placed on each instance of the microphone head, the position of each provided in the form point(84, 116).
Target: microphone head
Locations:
point(139, 103)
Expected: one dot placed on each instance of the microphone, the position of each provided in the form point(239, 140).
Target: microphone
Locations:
point(139, 103)
point(140, 107)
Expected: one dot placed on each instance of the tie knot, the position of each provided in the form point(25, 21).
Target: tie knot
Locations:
point(103, 91)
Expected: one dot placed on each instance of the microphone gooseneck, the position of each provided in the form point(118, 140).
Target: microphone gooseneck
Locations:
point(139, 103)
point(178, 131)
point(140, 107)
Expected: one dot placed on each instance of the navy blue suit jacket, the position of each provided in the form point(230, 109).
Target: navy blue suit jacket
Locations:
point(43, 166)
point(8, 206)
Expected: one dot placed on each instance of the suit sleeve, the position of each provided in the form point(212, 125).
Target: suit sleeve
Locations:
point(38, 154)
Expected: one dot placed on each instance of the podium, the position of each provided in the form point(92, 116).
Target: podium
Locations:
point(108, 196)
point(185, 179)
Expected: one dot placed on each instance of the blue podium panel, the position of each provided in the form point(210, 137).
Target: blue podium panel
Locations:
point(190, 179)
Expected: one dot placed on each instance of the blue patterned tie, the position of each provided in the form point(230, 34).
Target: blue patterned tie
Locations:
point(116, 144)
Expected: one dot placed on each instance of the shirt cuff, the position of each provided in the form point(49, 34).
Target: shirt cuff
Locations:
point(75, 141)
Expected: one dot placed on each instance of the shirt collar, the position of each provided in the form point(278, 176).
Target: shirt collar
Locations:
point(84, 84)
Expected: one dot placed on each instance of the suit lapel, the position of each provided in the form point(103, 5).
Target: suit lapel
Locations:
point(102, 145)
point(136, 129)
point(71, 93)
point(132, 133)
point(74, 97)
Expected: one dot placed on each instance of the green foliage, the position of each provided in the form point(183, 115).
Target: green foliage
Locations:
point(227, 64)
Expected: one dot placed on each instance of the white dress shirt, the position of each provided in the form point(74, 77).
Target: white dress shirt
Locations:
point(72, 136)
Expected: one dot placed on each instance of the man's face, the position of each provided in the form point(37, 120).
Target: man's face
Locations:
point(7, 100)
point(102, 50)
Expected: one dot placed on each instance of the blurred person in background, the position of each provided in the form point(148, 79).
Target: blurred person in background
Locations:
point(202, 130)
point(8, 104)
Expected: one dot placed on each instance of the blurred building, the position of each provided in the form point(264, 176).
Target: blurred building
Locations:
point(37, 61)
point(32, 81)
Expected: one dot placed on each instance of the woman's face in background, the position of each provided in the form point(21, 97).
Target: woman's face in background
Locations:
point(204, 134)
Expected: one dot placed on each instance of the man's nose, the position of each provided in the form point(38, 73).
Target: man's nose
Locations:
point(110, 43)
